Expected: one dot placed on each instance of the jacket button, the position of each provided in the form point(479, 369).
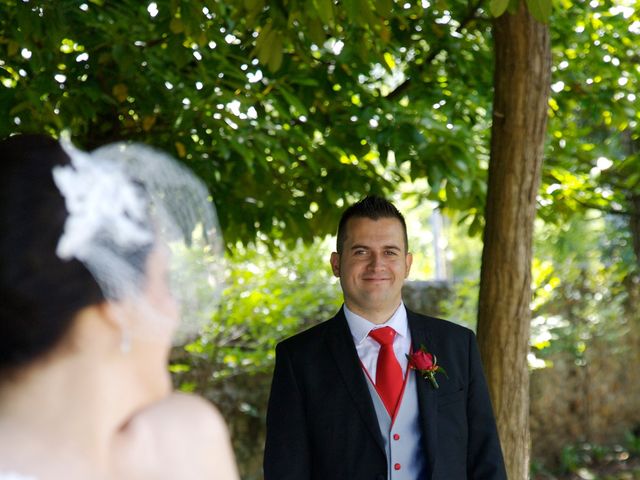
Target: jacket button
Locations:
point(397, 466)
point(396, 436)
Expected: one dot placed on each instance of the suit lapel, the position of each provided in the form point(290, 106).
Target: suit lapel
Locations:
point(345, 354)
point(427, 399)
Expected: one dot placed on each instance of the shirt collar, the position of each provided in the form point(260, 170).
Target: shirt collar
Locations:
point(360, 326)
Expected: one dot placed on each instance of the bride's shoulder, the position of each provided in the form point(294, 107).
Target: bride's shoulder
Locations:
point(182, 411)
point(181, 435)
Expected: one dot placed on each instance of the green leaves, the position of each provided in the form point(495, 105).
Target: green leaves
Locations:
point(498, 7)
point(539, 9)
point(268, 47)
point(324, 9)
point(267, 298)
point(263, 102)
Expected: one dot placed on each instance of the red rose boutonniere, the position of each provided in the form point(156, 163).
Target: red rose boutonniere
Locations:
point(427, 364)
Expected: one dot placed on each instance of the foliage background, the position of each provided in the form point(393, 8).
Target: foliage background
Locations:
point(290, 110)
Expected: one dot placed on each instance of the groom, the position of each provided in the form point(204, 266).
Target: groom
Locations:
point(345, 403)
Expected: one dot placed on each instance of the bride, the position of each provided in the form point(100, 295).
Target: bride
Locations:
point(88, 314)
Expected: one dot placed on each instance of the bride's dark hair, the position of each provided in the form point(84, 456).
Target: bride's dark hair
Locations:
point(40, 292)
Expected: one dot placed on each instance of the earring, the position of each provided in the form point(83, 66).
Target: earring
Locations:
point(125, 341)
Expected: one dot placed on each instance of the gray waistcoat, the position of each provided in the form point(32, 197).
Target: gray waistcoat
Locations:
point(403, 439)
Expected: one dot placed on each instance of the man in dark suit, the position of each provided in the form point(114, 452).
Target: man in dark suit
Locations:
point(345, 402)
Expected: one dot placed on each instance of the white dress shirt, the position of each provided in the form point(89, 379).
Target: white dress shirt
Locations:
point(368, 348)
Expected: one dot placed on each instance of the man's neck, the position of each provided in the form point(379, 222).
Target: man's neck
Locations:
point(376, 316)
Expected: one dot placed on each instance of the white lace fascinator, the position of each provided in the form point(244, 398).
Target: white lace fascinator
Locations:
point(125, 200)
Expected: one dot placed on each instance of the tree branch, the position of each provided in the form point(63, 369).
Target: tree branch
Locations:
point(608, 210)
point(404, 86)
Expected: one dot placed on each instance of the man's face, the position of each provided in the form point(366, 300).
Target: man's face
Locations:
point(372, 266)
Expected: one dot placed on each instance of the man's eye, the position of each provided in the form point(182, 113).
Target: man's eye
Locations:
point(391, 252)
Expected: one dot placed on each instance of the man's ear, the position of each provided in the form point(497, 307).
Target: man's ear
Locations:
point(335, 264)
point(408, 261)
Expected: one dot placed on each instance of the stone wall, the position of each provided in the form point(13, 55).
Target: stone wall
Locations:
point(596, 400)
point(426, 297)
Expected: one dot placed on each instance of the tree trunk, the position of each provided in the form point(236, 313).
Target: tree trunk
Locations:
point(634, 226)
point(632, 280)
point(521, 81)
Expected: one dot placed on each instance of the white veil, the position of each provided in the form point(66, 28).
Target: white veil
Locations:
point(123, 200)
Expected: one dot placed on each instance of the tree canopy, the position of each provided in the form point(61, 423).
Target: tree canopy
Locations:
point(284, 112)
point(286, 108)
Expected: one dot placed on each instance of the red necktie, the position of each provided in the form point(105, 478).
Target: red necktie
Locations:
point(388, 371)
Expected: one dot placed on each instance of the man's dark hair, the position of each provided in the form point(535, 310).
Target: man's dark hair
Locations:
point(374, 208)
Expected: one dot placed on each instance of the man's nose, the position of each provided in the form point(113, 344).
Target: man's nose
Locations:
point(376, 261)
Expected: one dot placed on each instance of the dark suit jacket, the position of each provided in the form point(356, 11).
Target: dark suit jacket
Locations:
point(321, 422)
